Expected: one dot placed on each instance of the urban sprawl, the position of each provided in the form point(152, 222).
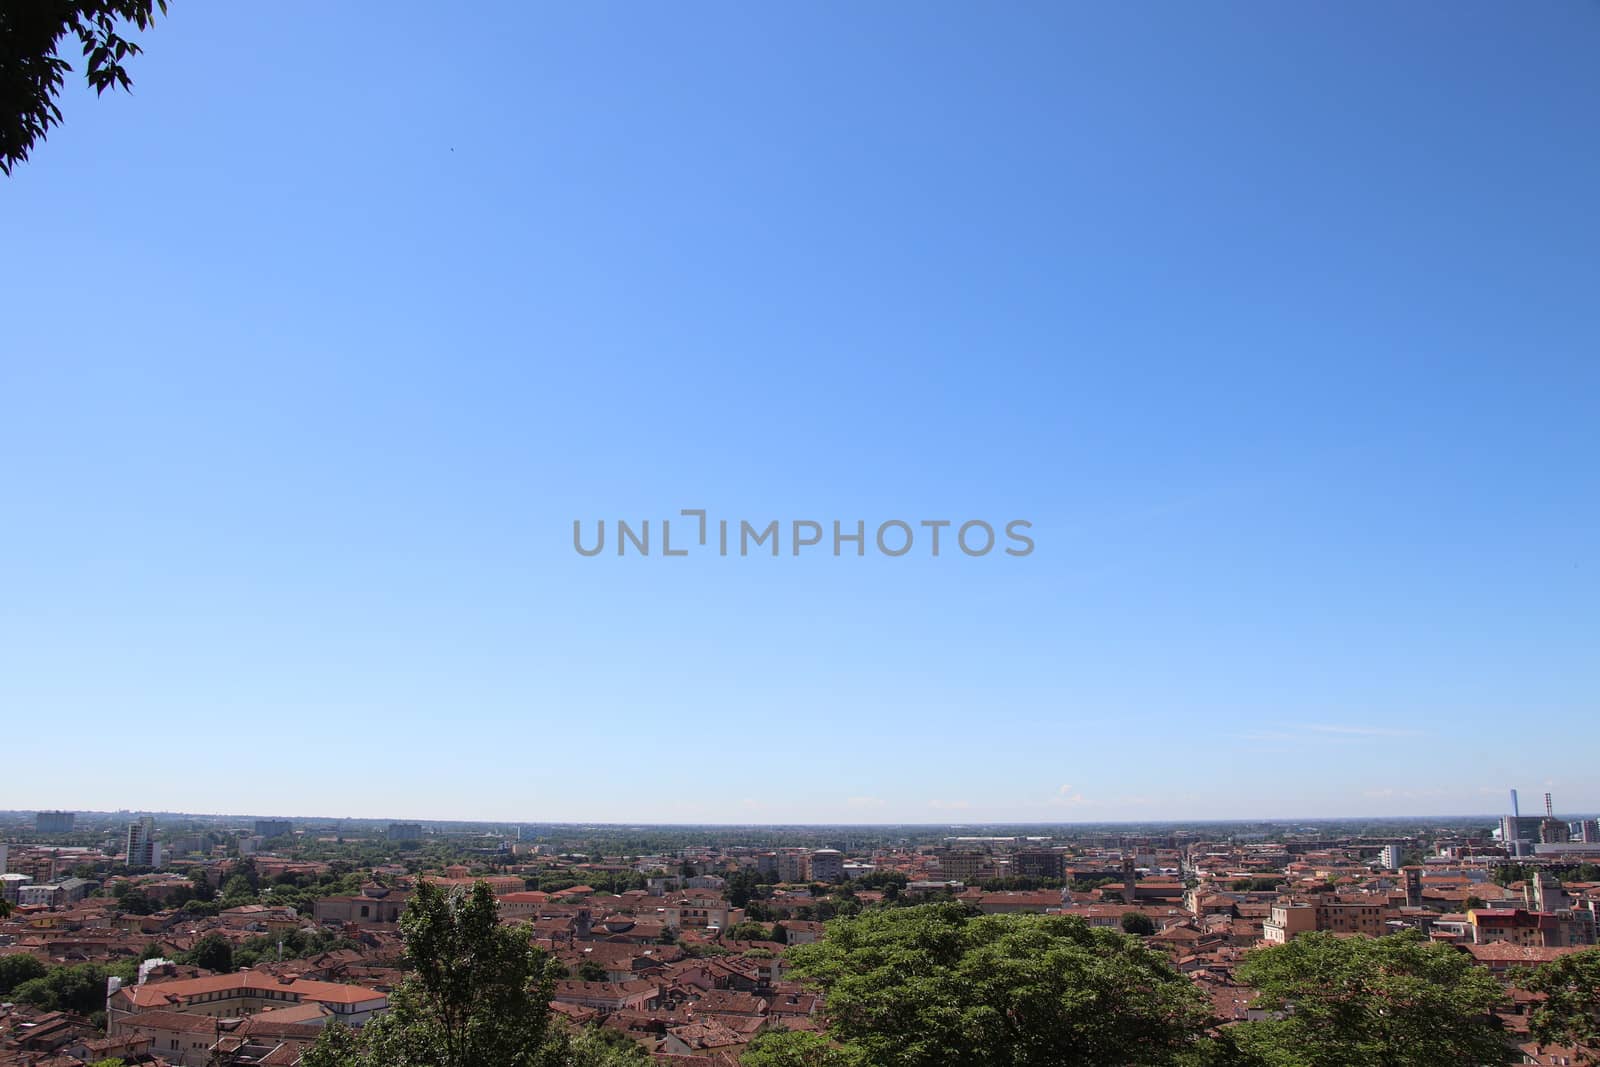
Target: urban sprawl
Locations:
point(197, 940)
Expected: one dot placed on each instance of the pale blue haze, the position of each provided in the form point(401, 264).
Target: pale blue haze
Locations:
point(1281, 322)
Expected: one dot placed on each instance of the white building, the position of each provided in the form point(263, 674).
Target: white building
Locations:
point(827, 865)
point(11, 885)
point(142, 848)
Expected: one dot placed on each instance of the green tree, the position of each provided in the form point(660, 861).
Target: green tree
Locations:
point(596, 1046)
point(1391, 1000)
point(1137, 922)
point(203, 889)
point(749, 931)
point(1570, 1011)
point(79, 988)
point(213, 952)
point(1259, 884)
point(741, 888)
point(797, 1048)
point(883, 880)
point(476, 993)
point(134, 902)
point(934, 985)
point(336, 1046)
point(18, 968)
point(237, 889)
point(32, 71)
point(1507, 873)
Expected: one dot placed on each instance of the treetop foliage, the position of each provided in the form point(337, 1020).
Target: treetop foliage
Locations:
point(32, 72)
point(1397, 999)
point(937, 984)
point(1569, 1015)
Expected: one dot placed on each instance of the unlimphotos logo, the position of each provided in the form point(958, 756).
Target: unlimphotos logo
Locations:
point(729, 537)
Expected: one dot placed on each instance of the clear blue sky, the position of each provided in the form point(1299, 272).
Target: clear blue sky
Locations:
point(1280, 322)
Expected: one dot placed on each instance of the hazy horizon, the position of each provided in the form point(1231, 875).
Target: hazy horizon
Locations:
point(473, 821)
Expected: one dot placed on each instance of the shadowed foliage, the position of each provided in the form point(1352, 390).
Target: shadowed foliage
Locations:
point(32, 71)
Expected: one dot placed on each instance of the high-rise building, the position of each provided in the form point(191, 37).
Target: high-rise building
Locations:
point(1543, 892)
point(827, 865)
point(1038, 863)
point(54, 822)
point(274, 827)
point(1552, 831)
point(1514, 828)
point(405, 831)
point(963, 865)
point(1389, 857)
point(142, 848)
point(793, 865)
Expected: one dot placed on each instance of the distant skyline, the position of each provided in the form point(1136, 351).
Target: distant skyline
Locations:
point(1018, 824)
point(1277, 322)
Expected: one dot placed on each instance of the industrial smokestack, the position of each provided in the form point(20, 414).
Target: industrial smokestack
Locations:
point(1549, 808)
point(1515, 814)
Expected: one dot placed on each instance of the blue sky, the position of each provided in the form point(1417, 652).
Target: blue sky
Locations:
point(1277, 321)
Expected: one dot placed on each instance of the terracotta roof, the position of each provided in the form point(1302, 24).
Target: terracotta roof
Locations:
point(244, 983)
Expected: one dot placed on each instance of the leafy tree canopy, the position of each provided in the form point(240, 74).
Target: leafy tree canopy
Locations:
point(934, 985)
point(1393, 1000)
point(596, 1046)
point(32, 71)
point(797, 1048)
point(213, 952)
point(79, 988)
point(1570, 1013)
point(476, 993)
point(18, 968)
point(1137, 922)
